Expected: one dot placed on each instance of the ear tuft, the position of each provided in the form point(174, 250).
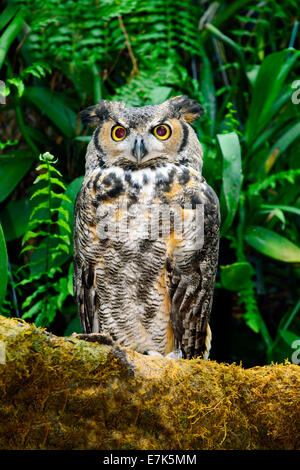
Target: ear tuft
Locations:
point(191, 110)
point(93, 115)
point(89, 116)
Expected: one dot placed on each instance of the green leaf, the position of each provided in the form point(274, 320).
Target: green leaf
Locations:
point(30, 298)
point(71, 193)
point(271, 244)
point(8, 14)
point(288, 336)
point(3, 266)
point(10, 33)
point(18, 83)
point(83, 138)
point(15, 217)
point(208, 90)
point(252, 74)
point(288, 317)
point(160, 94)
point(55, 108)
point(45, 166)
point(29, 234)
point(270, 207)
point(253, 321)
point(229, 147)
point(13, 167)
point(36, 308)
point(63, 223)
point(268, 84)
point(281, 145)
point(70, 280)
point(236, 276)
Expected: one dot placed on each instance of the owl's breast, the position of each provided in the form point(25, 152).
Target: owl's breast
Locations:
point(148, 203)
point(166, 183)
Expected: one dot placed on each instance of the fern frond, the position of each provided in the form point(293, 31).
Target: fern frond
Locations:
point(271, 181)
point(48, 236)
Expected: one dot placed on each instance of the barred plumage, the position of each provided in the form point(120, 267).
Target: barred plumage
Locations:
point(136, 278)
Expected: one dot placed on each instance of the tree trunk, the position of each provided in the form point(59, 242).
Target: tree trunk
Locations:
point(65, 393)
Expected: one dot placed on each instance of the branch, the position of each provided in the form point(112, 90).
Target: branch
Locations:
point(135, 69)
point(65, 393)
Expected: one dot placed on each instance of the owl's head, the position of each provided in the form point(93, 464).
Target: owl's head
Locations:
point(142, 137)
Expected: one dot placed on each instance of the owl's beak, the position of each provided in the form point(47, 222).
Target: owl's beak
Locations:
point(139, 150)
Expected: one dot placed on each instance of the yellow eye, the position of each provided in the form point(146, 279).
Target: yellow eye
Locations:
point(118, 133)
point(162, 132)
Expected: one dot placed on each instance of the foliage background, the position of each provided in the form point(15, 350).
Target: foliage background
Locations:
point(239, 59)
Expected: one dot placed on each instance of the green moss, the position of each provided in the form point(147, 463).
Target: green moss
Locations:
point(63, 393)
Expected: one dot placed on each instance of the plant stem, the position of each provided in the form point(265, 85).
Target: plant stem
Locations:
point(218, 34)
point(292, 316)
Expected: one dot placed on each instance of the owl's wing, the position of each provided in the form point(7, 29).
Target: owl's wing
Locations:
point(192, 283)
point(84, 266)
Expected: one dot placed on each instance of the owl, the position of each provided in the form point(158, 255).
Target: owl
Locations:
point(146, 230)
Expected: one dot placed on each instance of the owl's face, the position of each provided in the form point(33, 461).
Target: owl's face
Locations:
point(140, 137)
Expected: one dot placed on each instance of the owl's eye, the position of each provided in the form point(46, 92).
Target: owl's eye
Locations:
point(162, 132)
point(118, 133)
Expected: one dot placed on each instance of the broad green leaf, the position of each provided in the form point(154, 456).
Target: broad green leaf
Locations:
point(71, 193)
point(288, 336)
point(208, 89)
point(10, 33)
point(3, 266)
point(232, 177)
point(261, 139)
point(236, 276)
point(273, 245)
point(13, 167)
point(268, 84)
point(14, 218)
point(8, 14)
point(281, 145)
point(55, 108)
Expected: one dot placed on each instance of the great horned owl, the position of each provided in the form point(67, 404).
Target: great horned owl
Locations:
point(146, 230)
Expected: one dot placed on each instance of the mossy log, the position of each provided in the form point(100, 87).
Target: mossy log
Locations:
point(65, 393)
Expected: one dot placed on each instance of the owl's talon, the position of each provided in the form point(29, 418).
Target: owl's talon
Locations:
point(176, 354)
point(100, 338)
